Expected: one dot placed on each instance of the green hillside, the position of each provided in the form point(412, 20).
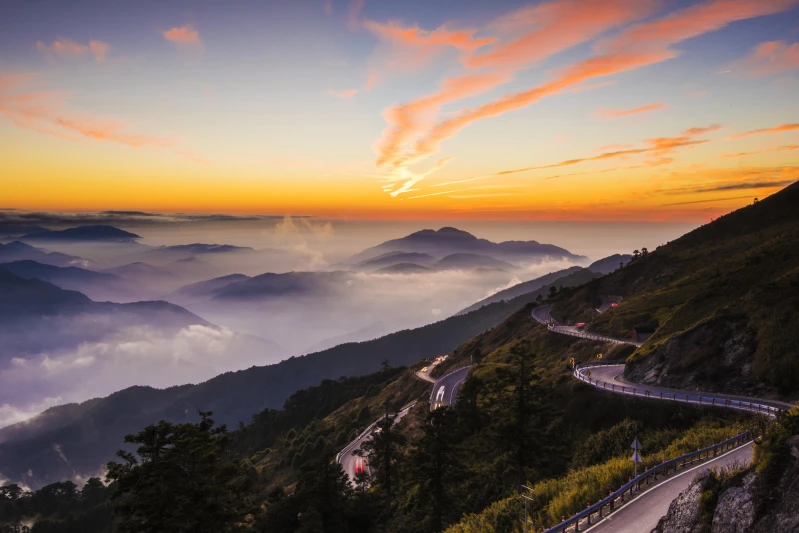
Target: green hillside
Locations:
point(721, 303)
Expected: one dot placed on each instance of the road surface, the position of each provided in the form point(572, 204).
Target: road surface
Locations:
point(542, 313)
point(445, 390)
point(641, 514)
point(611, 378)
point(426, 375)
point(352, 463)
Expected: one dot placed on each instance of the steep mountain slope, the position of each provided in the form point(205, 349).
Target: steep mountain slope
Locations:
point(447, 241)
point(721, 303)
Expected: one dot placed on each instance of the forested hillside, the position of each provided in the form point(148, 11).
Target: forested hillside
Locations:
point(721, 303)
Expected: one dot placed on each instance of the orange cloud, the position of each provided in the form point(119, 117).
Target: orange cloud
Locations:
point(788, 148)
point(764, 131)
point(183, 35)
point(408, 48)
point(556, 26)
point(643, 44)
point(44, 111)
point(616, 113)
point(67, 48)
point(592, 86)
point(772, 57)
point(344, 95)
point(659, 147)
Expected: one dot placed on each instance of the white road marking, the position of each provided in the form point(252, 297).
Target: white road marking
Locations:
point(630, 502)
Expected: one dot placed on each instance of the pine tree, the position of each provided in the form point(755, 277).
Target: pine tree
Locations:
point(182, 480)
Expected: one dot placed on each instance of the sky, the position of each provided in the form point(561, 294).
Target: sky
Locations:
point(583, 110)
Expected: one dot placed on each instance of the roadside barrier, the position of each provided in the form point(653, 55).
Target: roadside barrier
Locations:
point(366, 431)
point(753, 405)
point(606, 506)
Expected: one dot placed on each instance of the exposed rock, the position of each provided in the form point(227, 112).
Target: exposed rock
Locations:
point(735, 510)
point(738, 509)
point(715, 355)
point(686, 509)
point(783, 515)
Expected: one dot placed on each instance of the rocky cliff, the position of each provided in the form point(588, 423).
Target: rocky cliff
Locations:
point(745, 502)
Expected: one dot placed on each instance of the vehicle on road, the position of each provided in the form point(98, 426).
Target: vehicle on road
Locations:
point(580, 325)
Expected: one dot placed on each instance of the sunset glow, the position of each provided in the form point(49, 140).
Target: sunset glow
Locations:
point(557, 110)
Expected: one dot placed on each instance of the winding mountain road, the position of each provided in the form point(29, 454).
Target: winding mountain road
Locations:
point(643, 512)
point(445, 389)
point(352, 464)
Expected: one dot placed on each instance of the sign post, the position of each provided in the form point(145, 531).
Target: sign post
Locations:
point(636, 458)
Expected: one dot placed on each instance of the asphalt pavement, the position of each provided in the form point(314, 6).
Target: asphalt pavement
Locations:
point(642, 513)
point(611, 378)
point(445, 389)
point(352, 463)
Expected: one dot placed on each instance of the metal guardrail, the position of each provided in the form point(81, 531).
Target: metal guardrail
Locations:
point(366, 431)
point(753, 405)
point(652, 473)
point(563, 331)
point(555, 328)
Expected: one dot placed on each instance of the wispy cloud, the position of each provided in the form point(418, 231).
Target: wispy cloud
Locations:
point(546, 29)
point(616, 113)
point(657, 147)
point(345, 94)
point(45, 111)
point(183, 35)
point(766, 131)
point(771, 57)
point(705, 201)
point(408, 48)
point(66, 48)
point(786, 148)
point(636, 46)
point(592, 86)
point(354, 12)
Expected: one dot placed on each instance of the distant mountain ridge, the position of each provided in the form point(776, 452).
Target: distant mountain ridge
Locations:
point(37, 316)
point(610, 264)
point(95, 233)
point(90, 433)
point(99, 286)
point(19, 251)
point(448, 240)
